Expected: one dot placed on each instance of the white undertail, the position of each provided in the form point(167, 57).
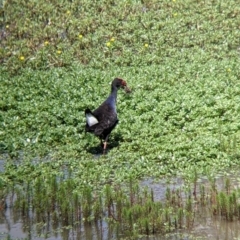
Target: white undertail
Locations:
point(91, 120)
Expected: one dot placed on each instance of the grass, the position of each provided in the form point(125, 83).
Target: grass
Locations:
point(179, 57)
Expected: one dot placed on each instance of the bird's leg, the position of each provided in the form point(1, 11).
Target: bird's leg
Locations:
point(105, 144)
point(104, 147)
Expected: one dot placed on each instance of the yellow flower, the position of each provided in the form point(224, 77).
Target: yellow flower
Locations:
point(68, 12)
point(174, 0)
point(175, 14)
point(108, 44)
point(59, 51)
point(112, 39)
point(80, 36)
point(7, 26)
point(46, 43)
point(146, 45)
point(229, 69)
point(22, 58)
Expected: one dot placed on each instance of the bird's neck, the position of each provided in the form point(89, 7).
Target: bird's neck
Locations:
point(111, 100)
point(114, 92)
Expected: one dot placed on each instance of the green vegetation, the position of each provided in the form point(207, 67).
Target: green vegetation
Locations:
point(181, 59)
point(128, 210)
point(101, 34)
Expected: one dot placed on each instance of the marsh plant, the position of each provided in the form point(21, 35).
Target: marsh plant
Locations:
point(181, 59)
point(182, 66)
point(129, 210)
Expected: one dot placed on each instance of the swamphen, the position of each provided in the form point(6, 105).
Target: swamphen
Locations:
point(103, 120)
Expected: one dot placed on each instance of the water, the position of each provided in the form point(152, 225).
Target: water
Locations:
point(205, 226)
point(16, 227)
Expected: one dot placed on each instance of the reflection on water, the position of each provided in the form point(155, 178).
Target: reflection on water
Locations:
point(205, 227)
point(13, 225)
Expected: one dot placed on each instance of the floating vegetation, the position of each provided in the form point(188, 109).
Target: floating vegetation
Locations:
point(183, 113)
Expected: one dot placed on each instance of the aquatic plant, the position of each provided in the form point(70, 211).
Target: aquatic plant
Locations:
point(182, 118)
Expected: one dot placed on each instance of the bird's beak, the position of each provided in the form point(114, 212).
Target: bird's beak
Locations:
point(127, 89)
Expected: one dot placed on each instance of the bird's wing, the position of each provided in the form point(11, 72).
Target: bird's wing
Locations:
point(106, 116)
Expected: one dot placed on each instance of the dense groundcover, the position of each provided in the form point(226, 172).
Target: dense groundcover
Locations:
point(175, 117)
point(180, 58)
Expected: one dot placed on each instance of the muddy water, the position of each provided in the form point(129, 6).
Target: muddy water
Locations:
point(14, 227)
point(205, 226)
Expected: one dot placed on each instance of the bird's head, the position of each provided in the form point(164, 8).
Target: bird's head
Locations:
point(120, 83)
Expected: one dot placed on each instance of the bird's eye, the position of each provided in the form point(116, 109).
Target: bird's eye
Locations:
point(124, 83)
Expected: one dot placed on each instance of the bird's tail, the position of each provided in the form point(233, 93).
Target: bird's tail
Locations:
point(91, 119)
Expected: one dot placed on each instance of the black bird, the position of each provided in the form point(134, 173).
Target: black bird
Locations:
point(103, 120)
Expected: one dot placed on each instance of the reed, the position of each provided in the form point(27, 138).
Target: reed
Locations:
point(109, 200)
point(202, 195)
point(98, 208)
point(77, 206)
point(189, 213)
point(87, 201)
point(227, 185)
point(128, 209)
point(179, 218)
